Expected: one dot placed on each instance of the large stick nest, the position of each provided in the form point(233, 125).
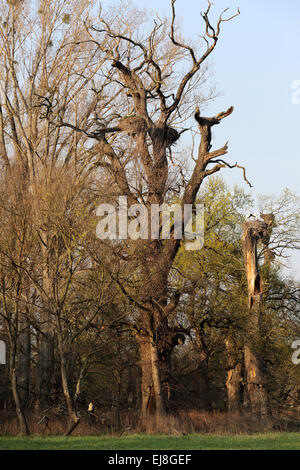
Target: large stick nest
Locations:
point(255, 229)
point(162, 136)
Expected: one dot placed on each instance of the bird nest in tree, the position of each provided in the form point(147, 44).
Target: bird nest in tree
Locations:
point(164, 135)
point(258, 229)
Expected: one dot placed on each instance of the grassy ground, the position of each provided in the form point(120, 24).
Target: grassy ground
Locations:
point(287, 441)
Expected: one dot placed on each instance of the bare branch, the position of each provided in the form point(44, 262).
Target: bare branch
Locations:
point(226, 164)
point(216, 153)
point(176, 43)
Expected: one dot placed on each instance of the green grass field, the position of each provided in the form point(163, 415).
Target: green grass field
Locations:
point(286, 441)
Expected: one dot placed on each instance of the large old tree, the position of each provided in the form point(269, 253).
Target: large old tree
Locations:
point(144, 99)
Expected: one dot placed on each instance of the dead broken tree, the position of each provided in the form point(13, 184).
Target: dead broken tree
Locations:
point(255, 384)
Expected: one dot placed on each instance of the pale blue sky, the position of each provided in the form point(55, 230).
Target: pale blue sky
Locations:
point(256, 61)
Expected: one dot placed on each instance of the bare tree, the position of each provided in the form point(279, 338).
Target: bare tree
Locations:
point(15, 246)
point(41, 66)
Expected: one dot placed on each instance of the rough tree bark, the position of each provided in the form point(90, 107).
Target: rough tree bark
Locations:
point(157, 381)
point(234, 379)
point(255, 383)
point(156, 345)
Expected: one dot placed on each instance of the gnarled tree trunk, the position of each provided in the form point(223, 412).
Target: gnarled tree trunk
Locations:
point(160, 406)
point(155, 353)
point(148, 399)
point(234, 379)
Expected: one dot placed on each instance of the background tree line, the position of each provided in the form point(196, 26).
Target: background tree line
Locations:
point(95, 105)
